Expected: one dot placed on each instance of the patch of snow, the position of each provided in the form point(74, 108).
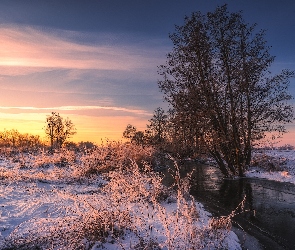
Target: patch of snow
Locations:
point(287, 172)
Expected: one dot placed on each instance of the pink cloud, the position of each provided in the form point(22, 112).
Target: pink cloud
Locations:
point(28, 47)
point(77, 108)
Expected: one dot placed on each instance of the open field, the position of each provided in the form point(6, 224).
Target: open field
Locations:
point(104, 198)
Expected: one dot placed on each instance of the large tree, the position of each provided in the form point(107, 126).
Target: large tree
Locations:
point(218, 81)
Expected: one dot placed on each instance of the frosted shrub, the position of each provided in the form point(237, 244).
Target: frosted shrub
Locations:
point(268, 162)
point(56, 167)
point(133, 184)
point(69, 165)
point(112, 156)
point(156, 224)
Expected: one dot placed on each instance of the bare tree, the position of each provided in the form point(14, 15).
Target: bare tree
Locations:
point(157, 129)
point(183, 139)
point(218, 83)
point(131, 133)
point(58, 130)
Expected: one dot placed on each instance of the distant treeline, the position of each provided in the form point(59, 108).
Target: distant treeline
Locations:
point(13, 138)
point(28, 142)
point(283, 147)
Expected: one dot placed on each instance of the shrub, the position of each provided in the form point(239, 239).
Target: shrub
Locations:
point(112, 156)
point(267, 162)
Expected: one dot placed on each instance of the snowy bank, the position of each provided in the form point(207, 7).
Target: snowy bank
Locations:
point(279, 165)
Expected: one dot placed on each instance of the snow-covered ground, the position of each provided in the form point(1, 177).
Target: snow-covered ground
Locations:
point(59, 202)
point(278, 166)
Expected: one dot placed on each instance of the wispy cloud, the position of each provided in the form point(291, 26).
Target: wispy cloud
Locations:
point(29, 47)
point(45, 68)
point(80, 108)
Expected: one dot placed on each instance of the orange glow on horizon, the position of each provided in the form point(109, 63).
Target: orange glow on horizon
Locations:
point(91, 128)
point(88, 128)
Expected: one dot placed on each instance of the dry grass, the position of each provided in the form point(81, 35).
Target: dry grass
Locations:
point(268, 163)
point(80, 214)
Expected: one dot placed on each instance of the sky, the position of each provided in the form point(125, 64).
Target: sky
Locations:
point(95, 62)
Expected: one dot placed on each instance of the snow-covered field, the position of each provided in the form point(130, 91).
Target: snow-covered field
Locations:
point(62, 201)
point(67, 200)
point(277, 165)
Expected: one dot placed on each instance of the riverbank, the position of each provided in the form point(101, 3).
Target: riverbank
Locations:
point(277, 165)
point(268, 209)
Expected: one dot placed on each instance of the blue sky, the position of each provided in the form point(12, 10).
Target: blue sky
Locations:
point(96, 61)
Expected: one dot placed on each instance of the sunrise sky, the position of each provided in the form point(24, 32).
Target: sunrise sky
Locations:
point(96, 61)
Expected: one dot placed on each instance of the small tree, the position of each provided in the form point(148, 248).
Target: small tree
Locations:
point(183, 139)
point(58, 130)
point(157, 129)
point(139, 138)
point(218, 83)
point(131, 133)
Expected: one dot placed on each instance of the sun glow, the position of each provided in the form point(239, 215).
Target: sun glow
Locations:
point(89, 128)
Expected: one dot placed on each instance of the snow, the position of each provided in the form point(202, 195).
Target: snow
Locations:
point(52, 201)
point(59, 206)
point(285, 171)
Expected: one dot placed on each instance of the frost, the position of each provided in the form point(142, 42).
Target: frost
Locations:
point(53, 201)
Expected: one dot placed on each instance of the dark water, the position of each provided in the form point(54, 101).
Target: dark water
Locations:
point(269, 208)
